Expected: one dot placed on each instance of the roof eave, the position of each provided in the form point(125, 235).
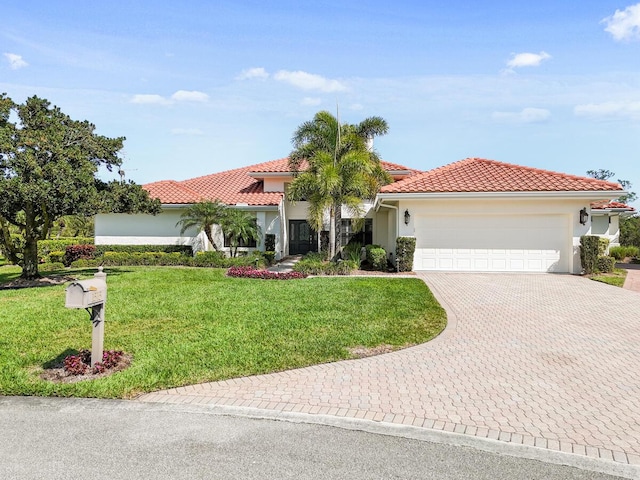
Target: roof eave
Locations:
point(589, 194)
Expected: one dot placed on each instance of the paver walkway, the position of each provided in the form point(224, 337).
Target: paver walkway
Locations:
point(632, 282)
point(544, 360)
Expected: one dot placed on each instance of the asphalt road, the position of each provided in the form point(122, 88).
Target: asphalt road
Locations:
point(52, 438)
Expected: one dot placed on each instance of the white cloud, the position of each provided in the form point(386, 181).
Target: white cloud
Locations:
point(606, 110)
point(15, 61)
point(256, 72)
point(145, 99)
point(187, 131)
point(624, 24)
point(189, 96)
point(526, 115)
point(179, 96)
point(309, 81)
point(310, 102)
point(527, 59)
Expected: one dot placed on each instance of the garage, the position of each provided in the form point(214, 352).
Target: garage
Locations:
point(493, 243)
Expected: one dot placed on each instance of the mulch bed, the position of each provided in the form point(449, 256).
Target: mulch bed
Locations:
point(58, 374)
point(38, 282)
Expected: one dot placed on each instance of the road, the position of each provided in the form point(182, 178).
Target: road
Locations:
point(53, 438)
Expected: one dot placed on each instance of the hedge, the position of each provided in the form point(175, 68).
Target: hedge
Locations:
point(377, 257)
point(606, 264)
point(620, 253)
point(589, 253)
point(405, 249)
point(45, 247)
point(184, 249)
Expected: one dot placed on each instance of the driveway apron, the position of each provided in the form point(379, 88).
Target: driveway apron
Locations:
point(551, 361)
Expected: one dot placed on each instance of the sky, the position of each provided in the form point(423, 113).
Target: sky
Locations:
point(199, 87)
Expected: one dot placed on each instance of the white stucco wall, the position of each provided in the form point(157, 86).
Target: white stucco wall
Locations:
point(489, 208)
point(140, 229)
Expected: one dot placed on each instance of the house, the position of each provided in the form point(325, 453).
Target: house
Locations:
point(471, 215)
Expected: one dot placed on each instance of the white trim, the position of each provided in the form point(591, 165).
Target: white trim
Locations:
point(593, 194)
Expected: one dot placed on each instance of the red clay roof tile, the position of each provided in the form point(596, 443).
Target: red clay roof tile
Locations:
point(481, 175)
point(609, 205)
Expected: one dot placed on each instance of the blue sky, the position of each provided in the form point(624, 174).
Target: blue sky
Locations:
point(199, 87)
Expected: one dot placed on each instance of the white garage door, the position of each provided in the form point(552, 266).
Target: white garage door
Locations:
point(492, 243)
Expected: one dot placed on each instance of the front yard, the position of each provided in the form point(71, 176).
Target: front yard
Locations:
point(187, 325)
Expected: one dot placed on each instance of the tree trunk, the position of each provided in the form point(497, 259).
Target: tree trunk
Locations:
point(337, 233)
point(332, 232)
point(210, 238)
point(30, 260)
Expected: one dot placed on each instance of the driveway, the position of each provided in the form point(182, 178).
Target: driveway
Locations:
point(542, 360)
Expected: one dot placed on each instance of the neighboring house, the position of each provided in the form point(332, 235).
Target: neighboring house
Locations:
point(471, 215)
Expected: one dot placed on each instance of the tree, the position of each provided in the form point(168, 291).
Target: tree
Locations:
point(340, 169)
point(239, 227)
point(203, 215)
point(602, 174)
point(48, 167)
point(630, 231)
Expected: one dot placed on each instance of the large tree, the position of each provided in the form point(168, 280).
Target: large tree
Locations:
point(48, 167)
point(602, 174)
point(334, 165)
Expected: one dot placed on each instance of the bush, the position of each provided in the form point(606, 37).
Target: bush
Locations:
point(56, 257)
point(589, 248)
point(45, 247)
point(269, 257)
point(250, 272)
point(620, 253)
point(603, 245)
point(77, 252)
point(86, 263)
point(377, 257)
point(405, 249)
point(353, 253)
point(51, 267)
point(309, 266)
point(270, 242)
point(606, 264)
point(312, 266)
point(183, 249)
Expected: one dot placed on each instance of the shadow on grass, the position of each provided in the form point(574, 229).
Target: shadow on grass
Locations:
point(10, 277)
point(58, 361)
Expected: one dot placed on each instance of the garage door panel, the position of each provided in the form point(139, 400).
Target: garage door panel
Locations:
point(527, 243)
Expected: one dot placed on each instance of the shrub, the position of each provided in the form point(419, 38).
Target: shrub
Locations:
point(51, 267)
point(589, 248)
point(606, 264)
point(603, 245)
point(620, 253)
point(56, 257)
point(80, 364)
point(45, 247)
point(313, 266)
point(269, 256)
point(353, 252)
point(183, 249)
point(250, 272)
point(309, 266)
point(377, 257)
point(270, 242)
point(86, 263)
point(77, 252)
point(405, 249)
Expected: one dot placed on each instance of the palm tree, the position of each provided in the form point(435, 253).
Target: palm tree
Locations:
point(340, 169)
point(239, 227)
point(203, 215)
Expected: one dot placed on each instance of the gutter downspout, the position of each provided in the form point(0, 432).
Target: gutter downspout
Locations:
point(283, 232)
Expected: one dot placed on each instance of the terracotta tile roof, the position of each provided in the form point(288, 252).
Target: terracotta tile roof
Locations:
point(170, 191)
point(481, 175)
point(230, 187)
point(611, 205)
point(282, 166)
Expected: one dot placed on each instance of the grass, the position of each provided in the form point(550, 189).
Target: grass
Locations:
point(616, 278)
point(187, 325)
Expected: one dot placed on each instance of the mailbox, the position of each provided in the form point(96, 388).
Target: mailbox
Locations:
point(86, 293)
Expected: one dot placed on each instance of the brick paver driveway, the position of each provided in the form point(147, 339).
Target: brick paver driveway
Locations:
point(543, 360)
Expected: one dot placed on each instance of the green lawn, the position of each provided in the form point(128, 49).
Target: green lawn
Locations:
point(189, 325)
point(616, 278)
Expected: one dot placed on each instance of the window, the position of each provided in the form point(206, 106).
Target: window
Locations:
point(241, 243)
point(348, 233)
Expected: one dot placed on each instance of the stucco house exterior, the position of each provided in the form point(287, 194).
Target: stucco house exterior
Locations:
point(472, 215)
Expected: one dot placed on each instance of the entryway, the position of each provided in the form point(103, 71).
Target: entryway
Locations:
point(302, 238)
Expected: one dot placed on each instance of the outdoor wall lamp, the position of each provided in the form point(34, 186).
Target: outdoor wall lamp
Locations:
point(407, 217)
point(584, 216)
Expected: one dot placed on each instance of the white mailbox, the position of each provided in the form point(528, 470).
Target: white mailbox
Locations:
point(86, 293)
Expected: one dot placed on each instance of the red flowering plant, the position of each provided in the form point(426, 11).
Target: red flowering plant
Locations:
point(252, 272)
point(80, 364)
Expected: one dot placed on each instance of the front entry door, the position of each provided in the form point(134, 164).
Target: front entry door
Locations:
point(302, 238)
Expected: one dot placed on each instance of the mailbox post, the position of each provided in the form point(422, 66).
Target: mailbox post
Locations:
point(92, 294)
